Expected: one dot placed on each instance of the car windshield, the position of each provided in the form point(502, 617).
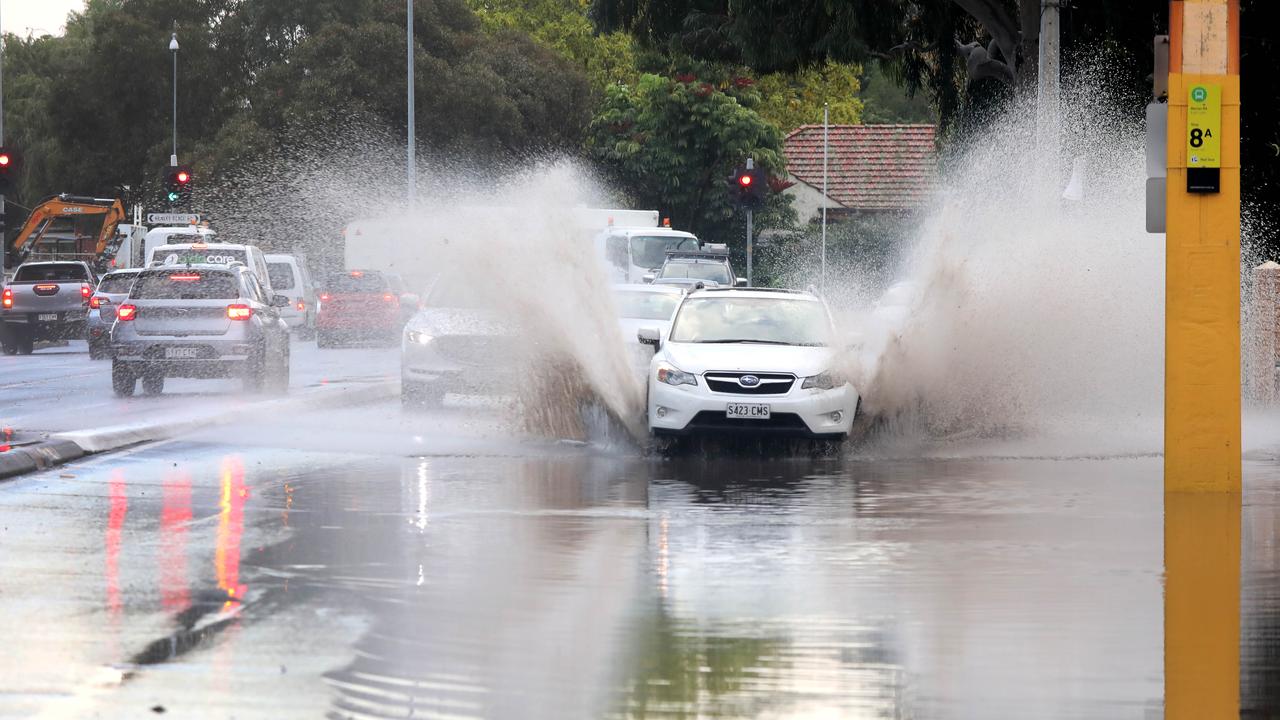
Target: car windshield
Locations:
point(117, 283)
point(772, 321)
point(181, 284)
point(646, 305)
point(648, 251)
point(712, 271)
point(53, 272)
point(281, 275)
point(200, 256)
point(356, 281)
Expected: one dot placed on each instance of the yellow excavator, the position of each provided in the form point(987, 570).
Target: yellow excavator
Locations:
point(71, 227)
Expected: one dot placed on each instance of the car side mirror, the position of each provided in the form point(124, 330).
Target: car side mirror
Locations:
point(649, 278)
point(280, 301)
point(650, 336)
point(740, 282)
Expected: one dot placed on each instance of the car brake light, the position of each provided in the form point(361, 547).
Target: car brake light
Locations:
point(46, 287)
point(184, 278)
point(389, 297)
point(8, 298)
point(126, 312)
point(239, 312)
point(301, 306)
point(85, 291)
point(324, 297)
point(97, 301)
point(357, 273)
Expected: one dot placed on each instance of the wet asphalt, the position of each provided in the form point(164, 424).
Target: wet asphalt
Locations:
point(306, 570)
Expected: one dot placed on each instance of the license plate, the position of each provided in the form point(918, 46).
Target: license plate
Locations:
point(747, 411)
point(181, 353)
point(47, 317)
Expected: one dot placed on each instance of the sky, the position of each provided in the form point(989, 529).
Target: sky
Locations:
point(37, 17)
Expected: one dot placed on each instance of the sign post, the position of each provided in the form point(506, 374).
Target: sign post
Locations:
point(1204, 138)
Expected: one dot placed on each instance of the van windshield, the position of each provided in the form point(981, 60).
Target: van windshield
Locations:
point(281, 275)
point(649, 251)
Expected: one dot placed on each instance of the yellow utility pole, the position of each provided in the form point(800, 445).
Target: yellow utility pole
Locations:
point(1202, 265)
point(1202, 363)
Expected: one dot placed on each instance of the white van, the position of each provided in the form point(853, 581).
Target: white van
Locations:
point(201, 253)
point(289, 277)
point(630, 253)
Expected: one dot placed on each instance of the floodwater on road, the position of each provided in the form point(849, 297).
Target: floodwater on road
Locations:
point(209, 579)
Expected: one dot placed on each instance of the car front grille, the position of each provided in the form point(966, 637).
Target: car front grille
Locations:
point(715, 421)
point(767, 383)
point(477, 349)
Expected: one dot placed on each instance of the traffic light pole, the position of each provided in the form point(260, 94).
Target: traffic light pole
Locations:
point(750, 238)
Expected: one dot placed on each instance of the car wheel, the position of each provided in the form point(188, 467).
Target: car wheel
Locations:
point(152, 383)
point(123, 381)
point(667, 444)
point(325, 339)
point(10, 348)
point(278, 383)
point(421, 395)
point(97, 350)
point(255, 371)
point(25, 343)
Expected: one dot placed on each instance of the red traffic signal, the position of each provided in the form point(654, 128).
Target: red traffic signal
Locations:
point(183, 177)
point(744, 180)
point(748, 187)
point(5, 159)
point(10, 161)
point(178, 181)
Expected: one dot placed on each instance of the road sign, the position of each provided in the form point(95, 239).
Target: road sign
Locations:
point(1204, 133)
point(173, 218)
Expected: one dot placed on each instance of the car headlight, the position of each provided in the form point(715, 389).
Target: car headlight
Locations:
point(420, 338)
point(828, 380)
point(675, 376)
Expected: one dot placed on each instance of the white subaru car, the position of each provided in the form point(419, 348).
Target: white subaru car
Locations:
point(749, 361)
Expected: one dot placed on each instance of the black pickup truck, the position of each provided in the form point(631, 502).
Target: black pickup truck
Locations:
point(44, 301)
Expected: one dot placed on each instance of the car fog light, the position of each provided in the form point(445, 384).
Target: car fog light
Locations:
point(661, 412)
point(837, 416)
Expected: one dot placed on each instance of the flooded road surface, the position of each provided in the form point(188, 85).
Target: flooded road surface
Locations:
point(237, 579)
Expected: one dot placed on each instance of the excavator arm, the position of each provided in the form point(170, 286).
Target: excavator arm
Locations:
point(53, 218)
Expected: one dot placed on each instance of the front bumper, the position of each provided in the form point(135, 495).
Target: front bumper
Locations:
point(696, 410)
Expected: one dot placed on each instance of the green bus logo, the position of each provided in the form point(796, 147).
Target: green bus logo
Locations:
point(1199, 94)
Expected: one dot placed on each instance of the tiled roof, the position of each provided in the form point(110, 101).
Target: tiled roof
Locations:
point(869, 167)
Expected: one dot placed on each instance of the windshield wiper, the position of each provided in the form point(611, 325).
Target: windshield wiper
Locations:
point(743, 340)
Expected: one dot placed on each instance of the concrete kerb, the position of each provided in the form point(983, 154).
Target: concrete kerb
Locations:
point(67, 446)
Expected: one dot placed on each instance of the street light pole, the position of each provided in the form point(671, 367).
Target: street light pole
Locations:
point(173, 47)
point(411, 146)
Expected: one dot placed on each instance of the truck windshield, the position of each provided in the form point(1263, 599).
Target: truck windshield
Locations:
point(51, 272)
point(182, 284)
point(649, 251)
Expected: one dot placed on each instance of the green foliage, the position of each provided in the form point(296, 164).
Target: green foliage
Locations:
point(884, 101)
point(562, 26)
point(672, 143)
point(789, 100)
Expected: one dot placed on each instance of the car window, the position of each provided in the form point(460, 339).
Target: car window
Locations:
point(782, 321)
point(117, 283)
point(53, 272)
point(281, 275)
point(714, 272)
point(646, 305)
point(183, 284)
point(649, 251)
point(356, 281)
point(256, 291)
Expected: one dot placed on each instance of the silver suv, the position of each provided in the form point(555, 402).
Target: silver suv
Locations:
point(199, 321)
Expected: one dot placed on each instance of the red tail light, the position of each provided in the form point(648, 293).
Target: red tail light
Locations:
point(389, 297)
point(301, 306)
point(126, 312)
point(324, 297)
point(85, 291)
point(239, 312)
point(97, 301)
point(8, 298)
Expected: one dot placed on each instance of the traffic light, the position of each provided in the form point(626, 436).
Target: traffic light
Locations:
point(749, 187)
point(178, 181)
point(10, 161)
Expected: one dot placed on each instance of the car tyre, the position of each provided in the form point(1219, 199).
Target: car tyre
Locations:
point(278, 382)
point(668, 444)
point(415, 394)
point(97, 350)
point(152, 383)
point(325, 339)
point(25, 343)
point(255, 372)
point(123, 380)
